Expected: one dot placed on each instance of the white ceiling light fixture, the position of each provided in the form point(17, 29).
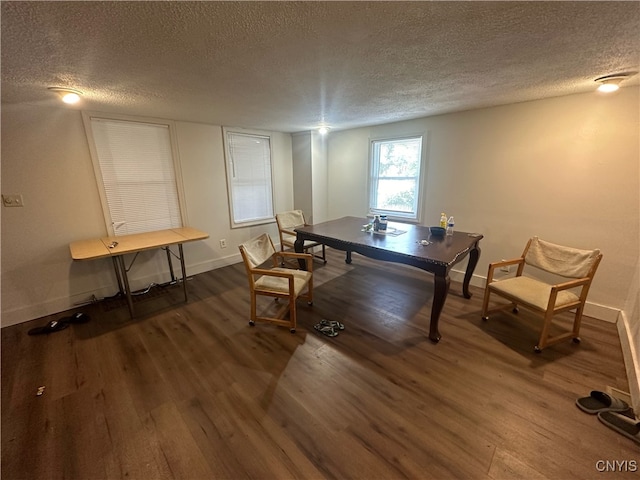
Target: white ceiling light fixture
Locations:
point(610, 83)
point(68, 95)
point(323, 130)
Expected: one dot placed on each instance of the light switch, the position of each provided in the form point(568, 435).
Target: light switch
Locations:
point(12, 200)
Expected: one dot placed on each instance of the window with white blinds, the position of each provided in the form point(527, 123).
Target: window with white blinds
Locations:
point(137, 172)
point(249, 177)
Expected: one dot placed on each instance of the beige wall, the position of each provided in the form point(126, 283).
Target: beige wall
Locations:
point(565, 169)
point(45, 157)
point(302, 174)
point(320, 179)
point(310, 175)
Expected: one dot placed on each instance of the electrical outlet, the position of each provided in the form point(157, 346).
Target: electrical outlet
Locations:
point(223, 243)
point(12, 200)
point(505, 268)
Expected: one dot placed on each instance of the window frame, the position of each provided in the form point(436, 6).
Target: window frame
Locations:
point(394, 215)
point(87, 117)
point(229, 175)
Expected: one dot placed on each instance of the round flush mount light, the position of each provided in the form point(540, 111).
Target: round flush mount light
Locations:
point(68, 95)
point(323, 130)
point(610, 83)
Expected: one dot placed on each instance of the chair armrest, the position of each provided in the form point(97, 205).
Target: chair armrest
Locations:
point(294, 254)
point(502, 263)
point(290, 232)
point(307, 257)
point(555, 289)
point(513, 261)
point(578, 282)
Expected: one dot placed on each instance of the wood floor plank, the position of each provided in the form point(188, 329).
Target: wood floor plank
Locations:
point(133, 452)
point(178, 447)
point(211, 432)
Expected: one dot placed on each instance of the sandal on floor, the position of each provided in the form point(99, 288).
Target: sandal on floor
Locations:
point(78, 317)
point(326, 330)
point(332, 323)
point(52, 326)
point(629, 427)
point(601, 402)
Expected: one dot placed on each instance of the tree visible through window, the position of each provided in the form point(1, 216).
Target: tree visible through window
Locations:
point(395, 177)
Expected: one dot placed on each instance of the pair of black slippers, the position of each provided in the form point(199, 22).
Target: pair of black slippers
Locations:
point(330, 328)
point(57, 325)
point(613, 412)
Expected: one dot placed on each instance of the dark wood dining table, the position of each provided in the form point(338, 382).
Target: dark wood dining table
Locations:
point(401, 243)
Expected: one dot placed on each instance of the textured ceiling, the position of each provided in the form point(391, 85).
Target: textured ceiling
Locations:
point(289, 66)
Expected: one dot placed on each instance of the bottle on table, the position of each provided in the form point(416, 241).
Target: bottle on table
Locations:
point(383, 223)
point(376, 223)
point(443, 220)
point(450, 224)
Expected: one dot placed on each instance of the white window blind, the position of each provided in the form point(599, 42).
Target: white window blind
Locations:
point(249, 177)
point(136, 164)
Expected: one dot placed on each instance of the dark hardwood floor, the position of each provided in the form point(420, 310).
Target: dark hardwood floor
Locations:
point(190, 391)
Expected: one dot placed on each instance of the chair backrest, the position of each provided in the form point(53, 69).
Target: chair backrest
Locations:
point(289, 221)
point(564, 261)
point(257, 251)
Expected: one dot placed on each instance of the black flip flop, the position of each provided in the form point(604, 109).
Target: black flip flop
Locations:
point(332, 323)
point(52, 326)
point(326, 330)
point(78, 317)
point(601, 402)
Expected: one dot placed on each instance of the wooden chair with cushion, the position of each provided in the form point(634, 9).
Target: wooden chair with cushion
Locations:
point(287, 223)
point(572, 272)
point(274, 281)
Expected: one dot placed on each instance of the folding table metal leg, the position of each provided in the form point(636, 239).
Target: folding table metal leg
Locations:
point(115, 267)
point(184, 272)
point(173, 277)
point(125, 279)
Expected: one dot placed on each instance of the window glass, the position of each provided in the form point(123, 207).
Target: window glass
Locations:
point(248, 157)
point(396, 166)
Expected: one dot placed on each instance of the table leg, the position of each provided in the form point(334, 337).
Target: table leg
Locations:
point(118, 277)
point(170, 263)
point(347, 258)
point(439, 296)
point(474, 255)
point(125, 279)
point(298, 247)
point(184, 272)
